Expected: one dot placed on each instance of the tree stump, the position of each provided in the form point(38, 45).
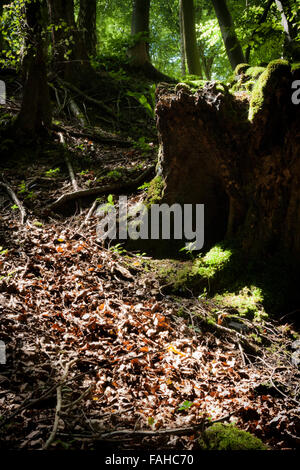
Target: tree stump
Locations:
point(238, 154)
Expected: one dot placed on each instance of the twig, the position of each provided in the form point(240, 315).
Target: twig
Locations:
point(58, 407)
point(161, 432)
point(15, 200)
point(89, 214)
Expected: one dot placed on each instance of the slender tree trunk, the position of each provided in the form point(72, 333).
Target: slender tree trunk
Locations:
point(291, 49)
point(231, 42)
point(35, 112)
point(182, 42)
point(191, 49)
point(87, 25)
point(139, 53)
point(69, 51)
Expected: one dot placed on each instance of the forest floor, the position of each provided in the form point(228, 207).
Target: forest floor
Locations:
point(97, 352)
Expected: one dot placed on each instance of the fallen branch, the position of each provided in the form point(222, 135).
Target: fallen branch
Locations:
point(110, 188)
point(93, 137)
point(15, 200)
point(183, 431)
point(238, 338)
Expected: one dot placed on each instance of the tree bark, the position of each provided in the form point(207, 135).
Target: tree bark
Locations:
point(139, 52)
point(191, 49)
point(238, 159)
point(35, 112)
point(87, 25)
point(291, 48)
point(231, 42)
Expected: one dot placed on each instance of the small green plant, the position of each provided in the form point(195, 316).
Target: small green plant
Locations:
point(144, 186)
point(3, 251)
point(52, 172)
point(185, 405)
point(14, 207)
point(142, 145)
point(142, 99)
point(114, 175)
point(118, 249)
point(22, 187)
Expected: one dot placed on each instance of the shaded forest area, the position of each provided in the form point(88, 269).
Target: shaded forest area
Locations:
point(149, 342)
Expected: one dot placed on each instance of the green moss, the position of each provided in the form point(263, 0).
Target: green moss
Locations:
point(295, 66)
point(254, 72)
point(155, 191)
point(241, 68)
point(265, 85)
point(228, 437)
point(247, 301)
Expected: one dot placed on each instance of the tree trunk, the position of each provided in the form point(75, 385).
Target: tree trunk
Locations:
point(291, 48)
point(191, 49)
point(87, 25)
point(231, 42)
point(239, 159)
point(182, 42)
point(139, 52)
point(69, 52)
point(35, 112)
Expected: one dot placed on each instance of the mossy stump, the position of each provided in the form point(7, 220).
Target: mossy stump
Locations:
point(238, 154)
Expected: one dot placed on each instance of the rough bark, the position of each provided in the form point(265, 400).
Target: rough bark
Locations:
point(87, 25)
point(35, 112)
point(239, 159)
point(291, 48)
point(231, 42)
point(191, 49)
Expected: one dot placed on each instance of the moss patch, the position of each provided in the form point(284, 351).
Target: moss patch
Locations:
point(266, 84)
point(228, 437)
point(241, 68)
point(155, 191)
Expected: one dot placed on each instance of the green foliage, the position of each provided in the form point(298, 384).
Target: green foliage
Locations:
point(186, 405)
point(118, 249)
point(228, 437)
point(52, 172)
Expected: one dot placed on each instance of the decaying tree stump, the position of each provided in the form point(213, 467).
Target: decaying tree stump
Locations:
point(237, 154)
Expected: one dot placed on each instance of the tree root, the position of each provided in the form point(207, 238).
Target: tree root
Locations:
point(110, 188)
point(15, 200)
point(99, 103)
